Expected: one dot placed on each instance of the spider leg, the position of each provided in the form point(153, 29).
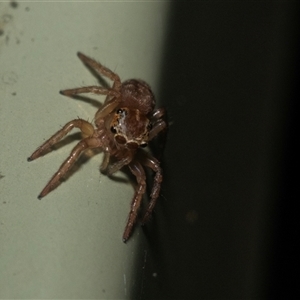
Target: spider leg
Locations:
point(105, 162)
point(108, 106)
point(159, 126)
point(118, 165)
point(85, 127)
point(86, 143)
point(91, 89)
point(101, 70)
point(158, 113)
point(153, 164)
point(112, 100)
point(136, 169)
point(159, 123)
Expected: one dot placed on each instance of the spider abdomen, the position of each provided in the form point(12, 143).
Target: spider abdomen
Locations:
point(137, 94)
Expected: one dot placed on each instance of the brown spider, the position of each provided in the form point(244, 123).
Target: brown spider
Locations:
point(126, 122)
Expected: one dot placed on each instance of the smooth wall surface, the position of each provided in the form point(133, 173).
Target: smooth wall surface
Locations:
point(69, 244)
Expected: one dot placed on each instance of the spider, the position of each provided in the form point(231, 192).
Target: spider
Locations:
point(124, 125)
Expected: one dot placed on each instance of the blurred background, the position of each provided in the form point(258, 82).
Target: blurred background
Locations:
point(227, 224)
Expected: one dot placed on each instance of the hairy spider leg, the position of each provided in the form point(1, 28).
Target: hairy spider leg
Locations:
point(86, 143)
point(101, 70)
point(107, 107)
point(110, 103)
point(137, 170)
point(84, 126)
point(113, 94)
point(119, 165)
point(109, 170)
point(90, 89)
point(153, 164)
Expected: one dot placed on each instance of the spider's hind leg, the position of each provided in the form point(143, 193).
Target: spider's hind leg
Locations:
point(101, 70)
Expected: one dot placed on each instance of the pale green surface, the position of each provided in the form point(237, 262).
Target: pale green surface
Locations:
point(69, 244)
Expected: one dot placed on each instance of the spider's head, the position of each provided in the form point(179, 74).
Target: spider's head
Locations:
point(130, 128)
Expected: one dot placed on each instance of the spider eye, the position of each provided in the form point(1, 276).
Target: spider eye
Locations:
point(121, 111)
point(149, 126)
point(113, 129)
point(143, 145)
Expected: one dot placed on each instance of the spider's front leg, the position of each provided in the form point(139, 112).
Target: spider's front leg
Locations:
point(84, 126)
point(89, 142)
point(113, 97)
point(136, 169)
point(86, 143)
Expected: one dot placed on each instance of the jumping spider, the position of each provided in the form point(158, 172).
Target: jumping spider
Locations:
point(124, 124)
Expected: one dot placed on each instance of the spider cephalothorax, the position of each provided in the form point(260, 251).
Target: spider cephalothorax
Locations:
point(125, 123)
point(130, 128)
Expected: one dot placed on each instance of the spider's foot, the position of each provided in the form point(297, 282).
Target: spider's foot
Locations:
point(80, 55)
point(68, 93)
point(126, 237)
point(40, 197)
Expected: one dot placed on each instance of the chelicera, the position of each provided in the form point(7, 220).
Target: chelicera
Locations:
point(124, 124)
